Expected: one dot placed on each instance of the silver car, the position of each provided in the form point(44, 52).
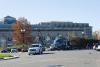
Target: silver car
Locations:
point(35, 49)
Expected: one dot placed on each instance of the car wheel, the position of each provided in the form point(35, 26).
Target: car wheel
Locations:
point(29, 54)
point(41, 52)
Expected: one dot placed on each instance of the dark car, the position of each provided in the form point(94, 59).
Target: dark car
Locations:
point(24, 50)
point(4, 51)
point(43, 48)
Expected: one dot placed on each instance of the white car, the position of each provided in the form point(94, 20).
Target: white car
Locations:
point(98, 48)
point(35, 49)
point(14, 50)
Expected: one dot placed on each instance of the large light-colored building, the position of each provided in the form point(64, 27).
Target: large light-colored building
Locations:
point(47, 29)
point(66, 29)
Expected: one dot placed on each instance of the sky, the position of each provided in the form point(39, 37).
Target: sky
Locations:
point(36, 11)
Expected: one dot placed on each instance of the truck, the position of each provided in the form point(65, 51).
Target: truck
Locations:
point(59, 43)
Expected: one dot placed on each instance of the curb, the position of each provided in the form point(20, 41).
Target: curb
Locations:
point(8, 58)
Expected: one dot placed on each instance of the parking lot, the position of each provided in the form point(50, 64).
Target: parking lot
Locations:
point(72, 58)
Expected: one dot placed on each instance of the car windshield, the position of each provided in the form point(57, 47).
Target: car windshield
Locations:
point(32, 49)
point(35, 45)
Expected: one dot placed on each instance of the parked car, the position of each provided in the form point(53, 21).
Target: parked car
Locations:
point(14, 50)
point(43, 48)
point(35, 49)
point(24, 50)
point(4, 51)
point(98, 48)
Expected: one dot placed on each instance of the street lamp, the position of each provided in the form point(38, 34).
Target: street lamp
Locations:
point(83, 34)
point(23, 31)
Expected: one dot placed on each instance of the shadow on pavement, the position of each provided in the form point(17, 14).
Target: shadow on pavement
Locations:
point(48, 53)
point(54, 66)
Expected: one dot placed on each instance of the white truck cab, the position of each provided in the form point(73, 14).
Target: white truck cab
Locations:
point(35, 49)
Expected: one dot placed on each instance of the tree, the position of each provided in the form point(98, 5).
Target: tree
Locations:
point(78, 43)
point(22, 32)
point(71, 35)
point(96, 35)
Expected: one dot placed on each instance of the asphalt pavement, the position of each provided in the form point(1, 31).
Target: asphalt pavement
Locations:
point(71, 58)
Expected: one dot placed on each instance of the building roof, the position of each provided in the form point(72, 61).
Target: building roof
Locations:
point(55, 24)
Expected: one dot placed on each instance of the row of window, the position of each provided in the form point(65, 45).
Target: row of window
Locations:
point(61, 25)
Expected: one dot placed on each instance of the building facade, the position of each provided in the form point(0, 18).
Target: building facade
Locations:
point(66, 29)
point(47, 29)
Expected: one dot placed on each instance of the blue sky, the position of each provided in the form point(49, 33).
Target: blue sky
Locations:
point(36, 11)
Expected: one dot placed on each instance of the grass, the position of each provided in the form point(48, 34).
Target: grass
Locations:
point(2, 55)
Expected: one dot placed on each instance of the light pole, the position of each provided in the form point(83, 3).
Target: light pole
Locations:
point(83, 34)
point(23, 31)
point(68, 36)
